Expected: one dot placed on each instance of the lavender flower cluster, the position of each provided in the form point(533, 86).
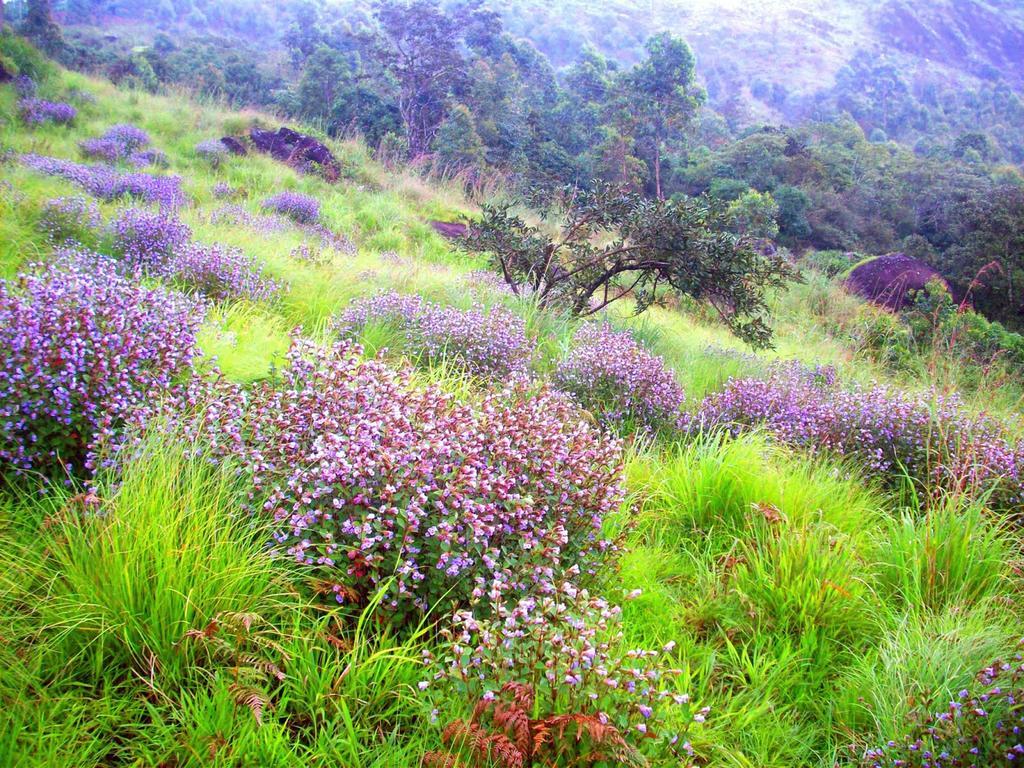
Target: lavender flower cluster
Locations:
point(212, 151)
point(983, 729)
point(221, 273)
point(108, 183)
point(564, 644)
point(25, 87)
point(626, 386)
point(158, 244)
point(67, 219)
point(300, 208)
point(935, 440)
point(120, 142)
point(39, 111)
point(372, 480)
point(148, 240)
point(80, 348)
point(486, 342)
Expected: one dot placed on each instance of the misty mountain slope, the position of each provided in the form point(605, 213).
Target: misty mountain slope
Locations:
point(800, 45)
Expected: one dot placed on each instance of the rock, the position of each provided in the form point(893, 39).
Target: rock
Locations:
point(890, 281)
point(302, 152)
point(234, 146)
point(450, 229)
point(5, 76)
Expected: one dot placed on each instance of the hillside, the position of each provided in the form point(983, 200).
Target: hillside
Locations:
point(800, 46)
point(289, 479)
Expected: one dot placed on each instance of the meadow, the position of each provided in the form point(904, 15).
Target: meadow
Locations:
point(339, 498)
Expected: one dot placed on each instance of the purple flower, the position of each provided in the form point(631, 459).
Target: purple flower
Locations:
point(37, 112)
point(620, 381)
point(302, 209)
point(80, 348)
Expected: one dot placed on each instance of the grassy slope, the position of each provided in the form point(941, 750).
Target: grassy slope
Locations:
point(803, 631)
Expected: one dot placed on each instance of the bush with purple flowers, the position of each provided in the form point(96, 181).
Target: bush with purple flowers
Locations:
point(613, 376)
point(212, 151)
point(108, 183)
point(75, 219)
point(300, 208)
point(148, 240)
point(39, 111)
point(219, 273)
point(80, 348)
point(373, 481)
point(934, 440)
point(25, 87)
point(982, 728)
point(566, 646)
point(486, 342)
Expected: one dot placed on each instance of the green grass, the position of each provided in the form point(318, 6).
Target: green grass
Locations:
point(809, 609)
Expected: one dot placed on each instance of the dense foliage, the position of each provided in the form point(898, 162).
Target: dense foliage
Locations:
point(80, 348)
point(614, 245)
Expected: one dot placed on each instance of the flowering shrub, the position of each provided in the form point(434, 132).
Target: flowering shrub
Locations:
point(37, 111)
point(224, 191)
point(108, 183)
point(299, 208)
point(25, 87)
point(486, 342)
point(148, 240)
point(620, 381)
point(237, 215)
point(373, 481)
point(220, 273)
point(70, 218)
point(212, 151)
point(563, 646)
point(976, 730)
point(80, 347)
point(935, 441)
point(149, 157)
point(120, 142)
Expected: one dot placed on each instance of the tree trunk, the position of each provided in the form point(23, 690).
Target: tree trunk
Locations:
point(657, 170)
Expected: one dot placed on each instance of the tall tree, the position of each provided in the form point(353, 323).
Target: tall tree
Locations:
point(662, 96)
point(418, 47)
point(40, 27)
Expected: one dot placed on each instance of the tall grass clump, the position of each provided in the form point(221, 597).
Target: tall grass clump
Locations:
point(126, 571)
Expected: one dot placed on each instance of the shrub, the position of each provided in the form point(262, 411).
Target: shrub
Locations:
point(108, 183)
point(486, 342)
point(80, 347)
point(935, 441)
point(299, 208)
point(148, 240)
point(212, 151)
point(611, 374)
point(25, 87)
point(120, 142)
point(560, 654)
point(70, 219)
point(39, 111)
point(220, 273)
point(374, 482)
point(980, 728)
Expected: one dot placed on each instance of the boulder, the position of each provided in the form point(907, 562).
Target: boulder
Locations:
point(452, 230)
point(890, 281)
point(234, 146)
point(302, 152)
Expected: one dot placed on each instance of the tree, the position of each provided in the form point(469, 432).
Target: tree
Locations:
point(662, 96)
point(458, 146)
point(614, 245)
point(418, 46)
point(755, 214)
point(325, 76)
point(40, 28)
